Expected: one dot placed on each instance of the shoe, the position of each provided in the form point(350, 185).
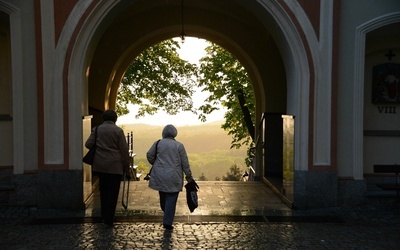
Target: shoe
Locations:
point(169, 227)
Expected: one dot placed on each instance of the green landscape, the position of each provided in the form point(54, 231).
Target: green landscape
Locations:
point(207, 146)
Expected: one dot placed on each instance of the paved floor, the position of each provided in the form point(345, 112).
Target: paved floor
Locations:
point(230, 216)
point(215, 198)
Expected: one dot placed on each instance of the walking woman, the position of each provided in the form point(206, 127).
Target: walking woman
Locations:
point(110, 162)
point(170, 161)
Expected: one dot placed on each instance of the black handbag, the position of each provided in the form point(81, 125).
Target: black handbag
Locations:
point(89, 157)
point(147, 177)
point(191, 195)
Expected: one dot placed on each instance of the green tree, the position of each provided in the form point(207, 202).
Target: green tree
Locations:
point(158, 79)
point(203, 177)
point(222, 75)
point(234, 175)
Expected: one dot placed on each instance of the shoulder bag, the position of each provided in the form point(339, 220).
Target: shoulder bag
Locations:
point(147, 177)
point(89, 157)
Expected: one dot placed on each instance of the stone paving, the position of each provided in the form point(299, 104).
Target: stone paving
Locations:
point(239, 216)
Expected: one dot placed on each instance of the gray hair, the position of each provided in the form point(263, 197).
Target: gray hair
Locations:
point(169, 131)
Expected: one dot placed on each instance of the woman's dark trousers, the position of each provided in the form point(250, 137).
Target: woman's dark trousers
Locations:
point(168, 205)
point(109, 190)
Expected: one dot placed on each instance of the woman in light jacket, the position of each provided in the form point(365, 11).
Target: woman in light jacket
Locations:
point(169, 160)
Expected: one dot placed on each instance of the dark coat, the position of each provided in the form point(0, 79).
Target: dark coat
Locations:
point(112, 153)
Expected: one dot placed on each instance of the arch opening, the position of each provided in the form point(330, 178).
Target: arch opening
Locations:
point(264, 50)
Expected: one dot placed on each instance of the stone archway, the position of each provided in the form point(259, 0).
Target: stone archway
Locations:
point(261, 37)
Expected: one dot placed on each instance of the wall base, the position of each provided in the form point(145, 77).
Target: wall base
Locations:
point(351, 192)
point(315, 189)
point(61, 189)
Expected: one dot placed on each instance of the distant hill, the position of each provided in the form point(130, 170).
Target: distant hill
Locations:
point(207, 145)
point(197, 139)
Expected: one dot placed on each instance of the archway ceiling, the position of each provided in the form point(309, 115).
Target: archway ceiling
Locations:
point(132, 26)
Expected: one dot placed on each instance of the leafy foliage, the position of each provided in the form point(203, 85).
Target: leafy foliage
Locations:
point(225, 78)
point(203, 177)
point(235, 174)
point(159, 79)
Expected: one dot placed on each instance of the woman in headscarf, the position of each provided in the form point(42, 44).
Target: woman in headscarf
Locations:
point(170, 161)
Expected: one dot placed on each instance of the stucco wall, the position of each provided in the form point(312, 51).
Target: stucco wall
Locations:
point(352, 15)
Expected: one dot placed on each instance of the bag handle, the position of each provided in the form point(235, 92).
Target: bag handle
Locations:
point(155, 157)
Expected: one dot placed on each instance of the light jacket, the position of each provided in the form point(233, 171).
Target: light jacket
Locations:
point(112, 153)
point(168, 165)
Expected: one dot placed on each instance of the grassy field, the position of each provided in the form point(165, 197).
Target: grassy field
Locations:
point(207, 146)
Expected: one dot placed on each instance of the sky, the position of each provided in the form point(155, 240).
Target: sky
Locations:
point(191, 50)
